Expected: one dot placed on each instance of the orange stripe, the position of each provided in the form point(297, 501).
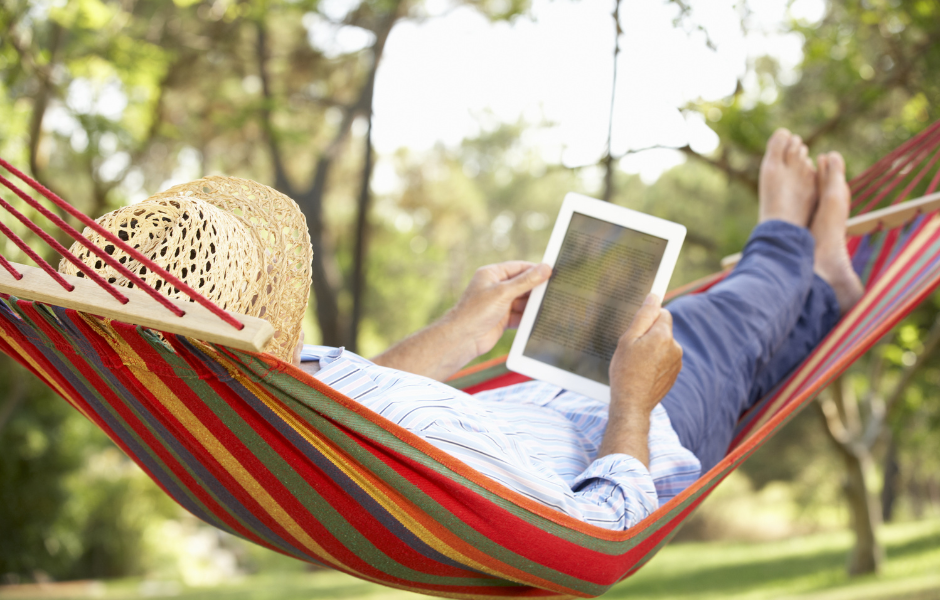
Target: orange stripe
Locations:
point(406, 512)
point(224, 458)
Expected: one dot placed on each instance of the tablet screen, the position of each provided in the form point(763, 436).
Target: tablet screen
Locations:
point(601, 277)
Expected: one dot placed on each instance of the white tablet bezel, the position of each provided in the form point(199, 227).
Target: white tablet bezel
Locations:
point(673, 233)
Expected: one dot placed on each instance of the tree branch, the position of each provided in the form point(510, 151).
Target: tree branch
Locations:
point(830, 412)
point(281, 181)
point(609, 160)
point(852, 103)
point(43, 73)
point(722, 164)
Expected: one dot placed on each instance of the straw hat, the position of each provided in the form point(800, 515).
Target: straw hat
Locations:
point(240, 244)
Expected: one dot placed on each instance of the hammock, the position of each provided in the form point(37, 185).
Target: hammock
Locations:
point(260, 449)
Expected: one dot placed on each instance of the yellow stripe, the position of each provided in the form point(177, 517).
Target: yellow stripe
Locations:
point(169, 400)
point(48, 380)
point(342, 462)
point(154, 384)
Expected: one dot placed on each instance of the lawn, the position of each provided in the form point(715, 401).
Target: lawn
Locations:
point(809, 567)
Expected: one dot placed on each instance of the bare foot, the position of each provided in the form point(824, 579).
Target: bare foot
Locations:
point(832, 261)
point(787, 188)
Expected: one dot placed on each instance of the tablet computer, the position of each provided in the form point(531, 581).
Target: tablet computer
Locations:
point(605, 260)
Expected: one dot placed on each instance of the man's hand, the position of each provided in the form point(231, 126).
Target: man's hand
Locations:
point(643, 369)
point(495, 300)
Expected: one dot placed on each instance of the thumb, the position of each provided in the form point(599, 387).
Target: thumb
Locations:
point(528, 279)
point(644, 318)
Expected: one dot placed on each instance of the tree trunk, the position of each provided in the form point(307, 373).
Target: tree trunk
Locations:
point(867, 554)
point(333, 325)
point(324, 289)
point(608, 160)
point(892, 482)
point(362, 240)
point(840, 411)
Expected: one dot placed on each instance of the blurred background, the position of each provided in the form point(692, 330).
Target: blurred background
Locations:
point(425, 138)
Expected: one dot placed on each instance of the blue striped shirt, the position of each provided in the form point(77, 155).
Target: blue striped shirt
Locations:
point(534, 438)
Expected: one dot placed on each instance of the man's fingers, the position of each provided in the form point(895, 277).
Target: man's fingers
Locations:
point(295, 359)
point(645, 317)
point(665, 319)
point(528, 279)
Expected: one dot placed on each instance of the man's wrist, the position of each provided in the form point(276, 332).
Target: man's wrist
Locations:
point(634, 422)
point(457, 329)
point(629, 408)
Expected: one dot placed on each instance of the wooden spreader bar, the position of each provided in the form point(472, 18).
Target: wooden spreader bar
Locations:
point(198, 322)
point(885, 218)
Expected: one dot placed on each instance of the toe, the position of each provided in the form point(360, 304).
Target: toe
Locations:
point(833, 175)
point(794, 148)
point(837, 163)
point(777, 144)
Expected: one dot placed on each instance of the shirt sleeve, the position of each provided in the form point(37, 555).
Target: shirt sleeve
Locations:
point(616, 492)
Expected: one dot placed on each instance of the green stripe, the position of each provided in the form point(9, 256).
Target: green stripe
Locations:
point(462, 383)
point(303, 405)
point(106, 376)
point(315, 504)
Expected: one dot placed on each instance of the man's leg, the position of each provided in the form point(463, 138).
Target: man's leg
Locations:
point(733, 355)
point(730, 333)
point(825, 303)
point(819, 315)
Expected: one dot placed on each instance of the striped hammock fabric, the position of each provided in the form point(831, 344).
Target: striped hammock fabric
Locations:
point(258, 448)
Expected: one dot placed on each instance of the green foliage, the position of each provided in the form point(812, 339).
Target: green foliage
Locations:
point(34, 460)
point(71, 505)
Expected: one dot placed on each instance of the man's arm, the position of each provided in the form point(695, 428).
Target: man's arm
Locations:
point(492, 303)
point(642, 371)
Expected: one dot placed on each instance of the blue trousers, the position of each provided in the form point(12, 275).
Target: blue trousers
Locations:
point(745, 334)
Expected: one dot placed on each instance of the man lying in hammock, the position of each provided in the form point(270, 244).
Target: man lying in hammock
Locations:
point(669, 420)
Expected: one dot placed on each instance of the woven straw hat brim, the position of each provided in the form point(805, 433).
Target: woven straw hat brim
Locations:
point(241, 244)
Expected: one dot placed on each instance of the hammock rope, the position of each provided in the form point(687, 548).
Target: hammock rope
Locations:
point(100, 252)
point(264, 451)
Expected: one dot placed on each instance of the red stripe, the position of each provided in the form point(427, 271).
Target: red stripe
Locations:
point(891, 238)
point(510, 378)
point(853, 243)
point(502, 527)
point(51, 373)
point(271, 483)
point(182, 434)
point(345, 505)
point(142, 394)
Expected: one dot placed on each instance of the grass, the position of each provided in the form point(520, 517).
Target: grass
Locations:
point(806, 568)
